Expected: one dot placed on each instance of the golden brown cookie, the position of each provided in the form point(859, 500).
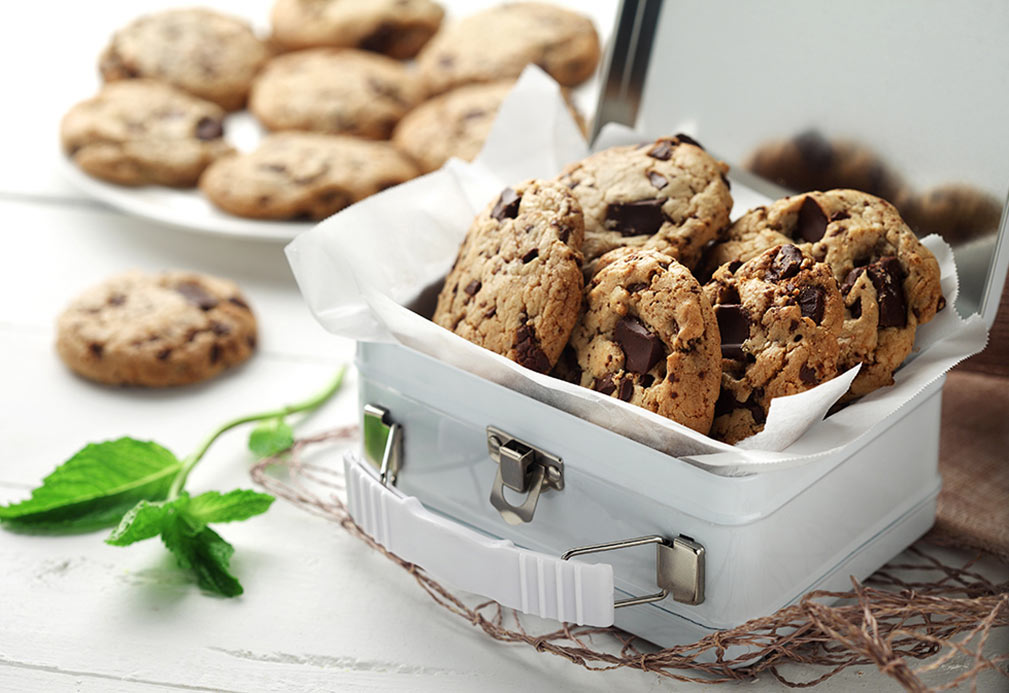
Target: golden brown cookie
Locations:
point(516, 285)
point(304, 175)
point(206, 53)
point(648, 336)
point(172, 328)
point(141, 131)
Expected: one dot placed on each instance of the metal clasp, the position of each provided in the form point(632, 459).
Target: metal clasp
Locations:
point(679, 567)
point(383, 442)
point(523, 468)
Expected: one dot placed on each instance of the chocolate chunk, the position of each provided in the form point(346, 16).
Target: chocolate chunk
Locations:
point(96, 349)
point(219, 328)
point(530, 256)
point(663, 151)
point(197, 295)
point(726, 404)
point(507, 206)
point(734, 327)
point(726, 181)
point(164, 354)
point(637, 287)
point(850, 279)
point(642, 218)
point(856, 308)
point(787, 263)
point(812, 223)
point(380, 40)
point(940, 304)
point(839, 215)
point(239, 302)
point(215, 353)
point(642, 349)
point(646, 380)
point(491, 313)
point(657, 179)
point(888, 278)
point(473, 287)
point(528, 352)
point(208, 128)
point(563, 233)
point(626, 390)
point(808, 375)
point(604, 385)
point(728, 294)
point(735, 265)
point(687, 139)
point(816, 151)
point(812, 301)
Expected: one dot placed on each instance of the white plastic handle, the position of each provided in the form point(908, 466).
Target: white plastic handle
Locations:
point(531, 582)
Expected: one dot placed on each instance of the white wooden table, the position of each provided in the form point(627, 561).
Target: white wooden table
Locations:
point(320, 610)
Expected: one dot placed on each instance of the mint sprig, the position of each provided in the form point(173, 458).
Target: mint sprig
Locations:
point(138, 488)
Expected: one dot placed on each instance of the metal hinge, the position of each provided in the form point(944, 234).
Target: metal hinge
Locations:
point(524, 468)
point(383, 442)
point(679, 567)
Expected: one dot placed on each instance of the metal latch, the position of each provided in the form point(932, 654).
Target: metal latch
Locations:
point(383, 442)
point(679, 567)
point(524, 468)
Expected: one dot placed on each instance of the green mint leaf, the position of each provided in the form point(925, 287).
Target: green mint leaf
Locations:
point(271, 437)
point(235, 505)
point(145, 520)
point(203, 551)
point(95, 487)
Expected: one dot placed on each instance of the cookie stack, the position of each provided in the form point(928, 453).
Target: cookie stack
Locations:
point(348, 117)
point(596, 277)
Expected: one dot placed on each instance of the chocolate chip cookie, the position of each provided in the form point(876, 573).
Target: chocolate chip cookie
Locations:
point(141, 131)
point(669, 195)
point(334, 91)
point(397, 28)
point(304, 175)
point(889, 280)
point(956, 211)
point(648, 336)
point(516, 286)
point(499, 42)
point(172, 328)
point(779, 316)
point(206, 53)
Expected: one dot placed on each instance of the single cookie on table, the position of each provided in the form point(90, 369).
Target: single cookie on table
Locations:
point(669, 195)
point(334, 91)
point(171, 328)
point(397, 28)
point(889, 280)
point(648, 336)
point(304, 175)
point(142, 131)
point(206, 53)
point(516, 285)
point(499, 42)
point(779, 316)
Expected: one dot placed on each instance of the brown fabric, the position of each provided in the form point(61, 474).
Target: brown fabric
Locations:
point(974, 461)
point(994, 360)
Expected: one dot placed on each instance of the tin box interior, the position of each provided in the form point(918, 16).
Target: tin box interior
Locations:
point(924, 95)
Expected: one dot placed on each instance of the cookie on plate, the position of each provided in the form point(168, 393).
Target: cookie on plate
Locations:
point(346, 92)
point(648, 336)
point(397, 28)
point(499, 42)
point(779, 316)
point(669, 195)
point(516, 285)
point(206, 53)
point(304, 175)
point(142, 131)
point(889, 280)
point(172, 328)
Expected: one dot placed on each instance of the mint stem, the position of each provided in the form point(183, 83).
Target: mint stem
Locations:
point(311, 403)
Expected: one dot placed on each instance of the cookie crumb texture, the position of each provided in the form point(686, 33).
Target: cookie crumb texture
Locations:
point(890, 282)
point(649, 337)
point(499, 42)
point(206, 53)
point(779, 317)
point(397, 28)
point(516, 285)
point(668, 195)
point(173, 328)
point(141, 131)
point(334, 91)
point(300, 175)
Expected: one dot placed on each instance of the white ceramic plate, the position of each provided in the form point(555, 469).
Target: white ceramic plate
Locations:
point(187, 208)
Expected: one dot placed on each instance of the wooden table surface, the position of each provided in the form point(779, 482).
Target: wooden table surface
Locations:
point(320, 611)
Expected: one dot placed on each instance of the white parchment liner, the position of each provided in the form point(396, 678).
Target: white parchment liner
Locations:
point(358, 269)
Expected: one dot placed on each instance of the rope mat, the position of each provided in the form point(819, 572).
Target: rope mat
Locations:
point(887, 621)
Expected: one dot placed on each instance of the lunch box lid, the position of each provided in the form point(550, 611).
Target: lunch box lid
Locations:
point(916, 96)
